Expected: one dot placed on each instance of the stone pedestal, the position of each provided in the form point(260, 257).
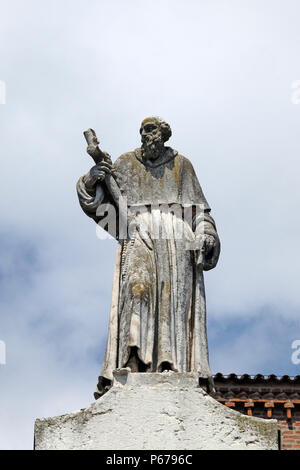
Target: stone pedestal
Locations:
point(167, 411)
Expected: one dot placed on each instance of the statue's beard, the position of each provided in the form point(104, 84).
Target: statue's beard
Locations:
point(152, 148)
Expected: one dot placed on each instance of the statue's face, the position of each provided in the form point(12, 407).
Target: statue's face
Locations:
point(151, 134)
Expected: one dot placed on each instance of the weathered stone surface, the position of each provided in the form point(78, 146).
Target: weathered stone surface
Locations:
point(155, 411)
point(151, 201)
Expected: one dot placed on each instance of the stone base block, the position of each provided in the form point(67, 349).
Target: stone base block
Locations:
point(167, 411)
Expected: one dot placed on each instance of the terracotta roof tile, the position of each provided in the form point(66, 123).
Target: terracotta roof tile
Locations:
point(258, 378)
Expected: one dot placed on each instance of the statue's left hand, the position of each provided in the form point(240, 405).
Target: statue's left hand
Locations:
point(206, 253)
point(209, 244)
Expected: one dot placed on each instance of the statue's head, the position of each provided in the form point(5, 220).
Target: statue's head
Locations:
point(154, 133)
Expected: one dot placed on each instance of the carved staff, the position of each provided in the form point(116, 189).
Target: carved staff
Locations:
point(98, 155)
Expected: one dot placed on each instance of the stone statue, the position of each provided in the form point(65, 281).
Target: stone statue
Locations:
point(158, 312)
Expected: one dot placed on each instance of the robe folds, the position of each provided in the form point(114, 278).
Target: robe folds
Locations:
point(158, 300)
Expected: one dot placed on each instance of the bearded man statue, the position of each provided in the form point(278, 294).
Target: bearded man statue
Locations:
point(158, 310)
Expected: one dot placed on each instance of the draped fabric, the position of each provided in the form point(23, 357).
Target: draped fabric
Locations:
point(158, 301)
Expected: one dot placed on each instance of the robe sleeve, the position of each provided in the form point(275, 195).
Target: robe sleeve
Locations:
point(203, 223)
point(90, 200)
point(190, 189)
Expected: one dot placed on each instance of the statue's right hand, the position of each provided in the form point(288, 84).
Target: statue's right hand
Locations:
point(99, 171)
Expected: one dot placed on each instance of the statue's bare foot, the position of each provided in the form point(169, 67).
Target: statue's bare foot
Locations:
point(133, 364)
point(166, 367)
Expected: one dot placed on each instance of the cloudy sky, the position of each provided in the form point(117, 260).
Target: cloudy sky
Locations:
point(221, 73)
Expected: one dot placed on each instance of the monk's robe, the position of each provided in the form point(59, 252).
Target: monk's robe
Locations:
point(158, 302)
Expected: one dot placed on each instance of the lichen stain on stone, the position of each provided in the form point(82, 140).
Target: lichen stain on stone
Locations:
point(263, 426)
point(139, 290)
point(176, 170)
